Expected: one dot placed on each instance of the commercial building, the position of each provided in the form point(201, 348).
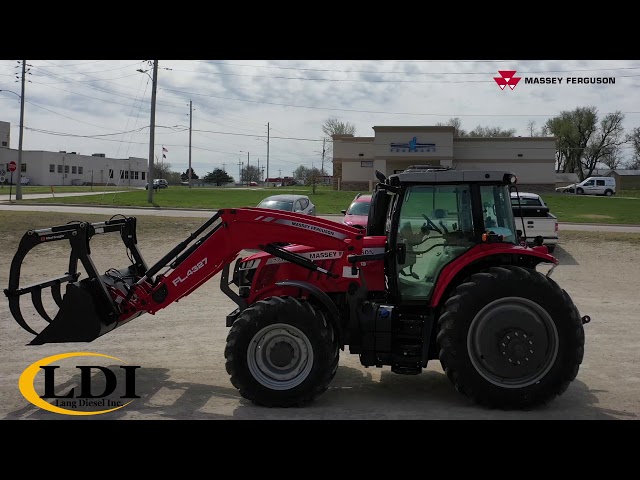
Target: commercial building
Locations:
point(71, 168)
point(394, 148)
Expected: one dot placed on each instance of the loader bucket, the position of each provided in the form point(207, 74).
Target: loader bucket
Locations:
point(87, 309)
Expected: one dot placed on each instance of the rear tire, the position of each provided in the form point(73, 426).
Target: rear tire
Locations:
point(281, 352)
point(510, 337)
point(608, 193)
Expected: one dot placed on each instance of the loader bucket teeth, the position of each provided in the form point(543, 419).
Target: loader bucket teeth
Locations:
point(55, 293)
point(14, 307)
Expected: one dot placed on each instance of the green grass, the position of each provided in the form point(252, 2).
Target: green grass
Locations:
point(327, 201)
point(568, 208)
point(4, 190)
point(593, 209)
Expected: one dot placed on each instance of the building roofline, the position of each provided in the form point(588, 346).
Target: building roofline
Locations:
point(423, 128)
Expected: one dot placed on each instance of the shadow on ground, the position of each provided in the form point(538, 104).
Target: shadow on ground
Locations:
point(354, 394)
point(564, 257)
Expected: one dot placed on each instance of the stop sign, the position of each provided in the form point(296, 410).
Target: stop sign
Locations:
point(12, 166)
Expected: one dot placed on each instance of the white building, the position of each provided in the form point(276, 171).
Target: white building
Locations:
point(71, 168)
point(394, 148)
point(5, 134)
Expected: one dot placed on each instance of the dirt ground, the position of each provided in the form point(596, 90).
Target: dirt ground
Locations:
point(182, 374)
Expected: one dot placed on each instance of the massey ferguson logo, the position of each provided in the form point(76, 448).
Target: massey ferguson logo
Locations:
point(51, 237)
point(507, 78)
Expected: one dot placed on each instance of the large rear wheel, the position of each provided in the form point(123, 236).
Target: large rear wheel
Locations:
point(281, 352)
point(510, 337)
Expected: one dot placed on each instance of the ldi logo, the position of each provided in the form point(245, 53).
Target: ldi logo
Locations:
point(507, 78)
point(71, 402)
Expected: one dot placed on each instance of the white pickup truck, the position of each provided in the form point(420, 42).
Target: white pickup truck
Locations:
point(534, 213)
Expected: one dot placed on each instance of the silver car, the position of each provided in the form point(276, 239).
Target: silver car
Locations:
point(289, 203)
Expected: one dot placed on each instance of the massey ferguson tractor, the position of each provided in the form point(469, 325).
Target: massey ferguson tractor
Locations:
point(442, 272)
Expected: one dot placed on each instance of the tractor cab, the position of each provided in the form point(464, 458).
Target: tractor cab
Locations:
point(433, 216)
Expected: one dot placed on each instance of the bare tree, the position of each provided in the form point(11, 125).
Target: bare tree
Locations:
point(531, 126)
point(333, 126)
point(481, 131)
point(456, 123)
point(613, 157)
point(634, 139)
point(250, 174)
point(573, 129)
point(604, 143)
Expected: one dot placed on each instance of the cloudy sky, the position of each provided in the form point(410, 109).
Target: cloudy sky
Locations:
point(98, 106)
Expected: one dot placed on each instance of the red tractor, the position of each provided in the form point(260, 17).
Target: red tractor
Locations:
point(442, 272)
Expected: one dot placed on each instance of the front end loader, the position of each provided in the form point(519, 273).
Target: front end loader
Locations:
point(441, 272)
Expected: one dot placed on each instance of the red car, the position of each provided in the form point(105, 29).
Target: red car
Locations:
point(358, 212)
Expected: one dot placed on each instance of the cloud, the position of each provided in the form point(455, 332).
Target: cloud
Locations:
point(234, 101)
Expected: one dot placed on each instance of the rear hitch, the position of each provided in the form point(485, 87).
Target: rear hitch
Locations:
point(88, 309)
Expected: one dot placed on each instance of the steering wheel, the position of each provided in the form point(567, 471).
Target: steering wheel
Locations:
point(432, 225)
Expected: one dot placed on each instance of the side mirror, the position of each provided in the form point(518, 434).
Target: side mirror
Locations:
point(344, 212)
point(538, 240)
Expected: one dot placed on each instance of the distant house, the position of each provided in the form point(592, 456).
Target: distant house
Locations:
point(626, 179)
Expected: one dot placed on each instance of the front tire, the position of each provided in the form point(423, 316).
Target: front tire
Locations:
point(580, 191)
point(510, 337)
point(281, 352)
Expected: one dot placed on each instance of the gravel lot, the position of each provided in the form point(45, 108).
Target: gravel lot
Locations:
point(182, 374)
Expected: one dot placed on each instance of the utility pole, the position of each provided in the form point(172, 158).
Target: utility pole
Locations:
point(19, 184)
point(322, 168)
point(152, 131)
point(240, 171)
point(267, 177)
point(190, 125)
point(224, 165)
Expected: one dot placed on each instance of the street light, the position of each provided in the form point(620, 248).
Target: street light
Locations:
point(19, 183)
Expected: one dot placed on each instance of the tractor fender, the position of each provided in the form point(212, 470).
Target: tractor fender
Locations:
point(323, 298)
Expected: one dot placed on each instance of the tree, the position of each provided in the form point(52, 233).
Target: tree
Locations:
point(531, 126)
point(301, 173)
point(333, 126)
point(583, 142)
point(250, 174)
point(494, 132)
point(613, 157)
point(185, 176)
point(479, 131)
point(161, 170)
point(456, 123)
point(573, 129)
point(634, 139)
point(218, 176)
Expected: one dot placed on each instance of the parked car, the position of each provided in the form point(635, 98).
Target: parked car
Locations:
point(592, 186)
point(289, 203)
point(357, 215)
point(537, 219)
point(158, 183)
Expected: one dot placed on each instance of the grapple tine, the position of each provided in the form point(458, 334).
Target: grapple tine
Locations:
point(36, 298)
point(14, 306)
point(56, 294)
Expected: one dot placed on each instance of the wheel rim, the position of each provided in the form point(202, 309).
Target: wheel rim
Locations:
point(512, 342)
point(280, 356)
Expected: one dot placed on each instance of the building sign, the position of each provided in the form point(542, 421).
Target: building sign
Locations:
point(413, 146)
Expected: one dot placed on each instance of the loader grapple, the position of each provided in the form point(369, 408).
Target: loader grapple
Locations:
point(89, 307)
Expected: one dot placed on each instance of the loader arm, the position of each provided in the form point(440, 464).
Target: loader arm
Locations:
point(98, 304)
point(233, 231)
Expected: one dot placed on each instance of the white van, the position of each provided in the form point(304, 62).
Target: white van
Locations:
point(592, 186)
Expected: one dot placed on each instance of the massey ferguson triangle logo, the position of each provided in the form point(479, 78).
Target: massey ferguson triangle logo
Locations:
point(507, 78)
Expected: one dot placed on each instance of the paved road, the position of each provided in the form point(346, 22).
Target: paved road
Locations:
point(165, 212)
point(4, 196)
